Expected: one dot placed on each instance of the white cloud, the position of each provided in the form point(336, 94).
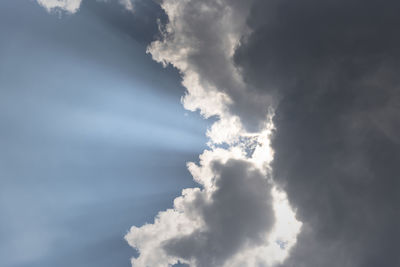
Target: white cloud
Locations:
point(70, 6)
point(199, 40)
point(238, 216)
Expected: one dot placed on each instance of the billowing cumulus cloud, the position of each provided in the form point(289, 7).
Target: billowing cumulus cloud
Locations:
point(237, 216)
point(200, 40)
point(231, 214)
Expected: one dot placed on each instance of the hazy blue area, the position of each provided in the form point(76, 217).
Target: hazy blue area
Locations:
point(93, 138)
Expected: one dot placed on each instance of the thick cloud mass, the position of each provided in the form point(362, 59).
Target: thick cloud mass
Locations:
point(226, 223)
point(335, 67)
point(238, 213)
point(200, 40)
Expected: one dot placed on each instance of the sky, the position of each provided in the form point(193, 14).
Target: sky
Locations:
point(200, 133)
point(83, 157)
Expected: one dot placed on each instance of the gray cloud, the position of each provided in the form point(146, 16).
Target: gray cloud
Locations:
point(239, 213)
point(199, 40)
point(225, 223)
point(334, 67)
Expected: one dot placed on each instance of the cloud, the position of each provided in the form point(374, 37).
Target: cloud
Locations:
point(333, 65)
point(233, 220)
point(200, 40)
point(237, 216)
point(70, 6)
point(238, 212)
point(327, 72)
point(217, 221)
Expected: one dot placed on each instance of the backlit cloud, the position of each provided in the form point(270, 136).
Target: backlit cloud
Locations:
point(237, 216)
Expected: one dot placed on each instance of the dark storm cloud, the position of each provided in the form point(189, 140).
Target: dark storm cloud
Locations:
point(238, 214)
point(334, 67)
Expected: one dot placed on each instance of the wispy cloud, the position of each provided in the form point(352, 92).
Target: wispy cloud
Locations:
point(70, 6)
point(128, 4)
